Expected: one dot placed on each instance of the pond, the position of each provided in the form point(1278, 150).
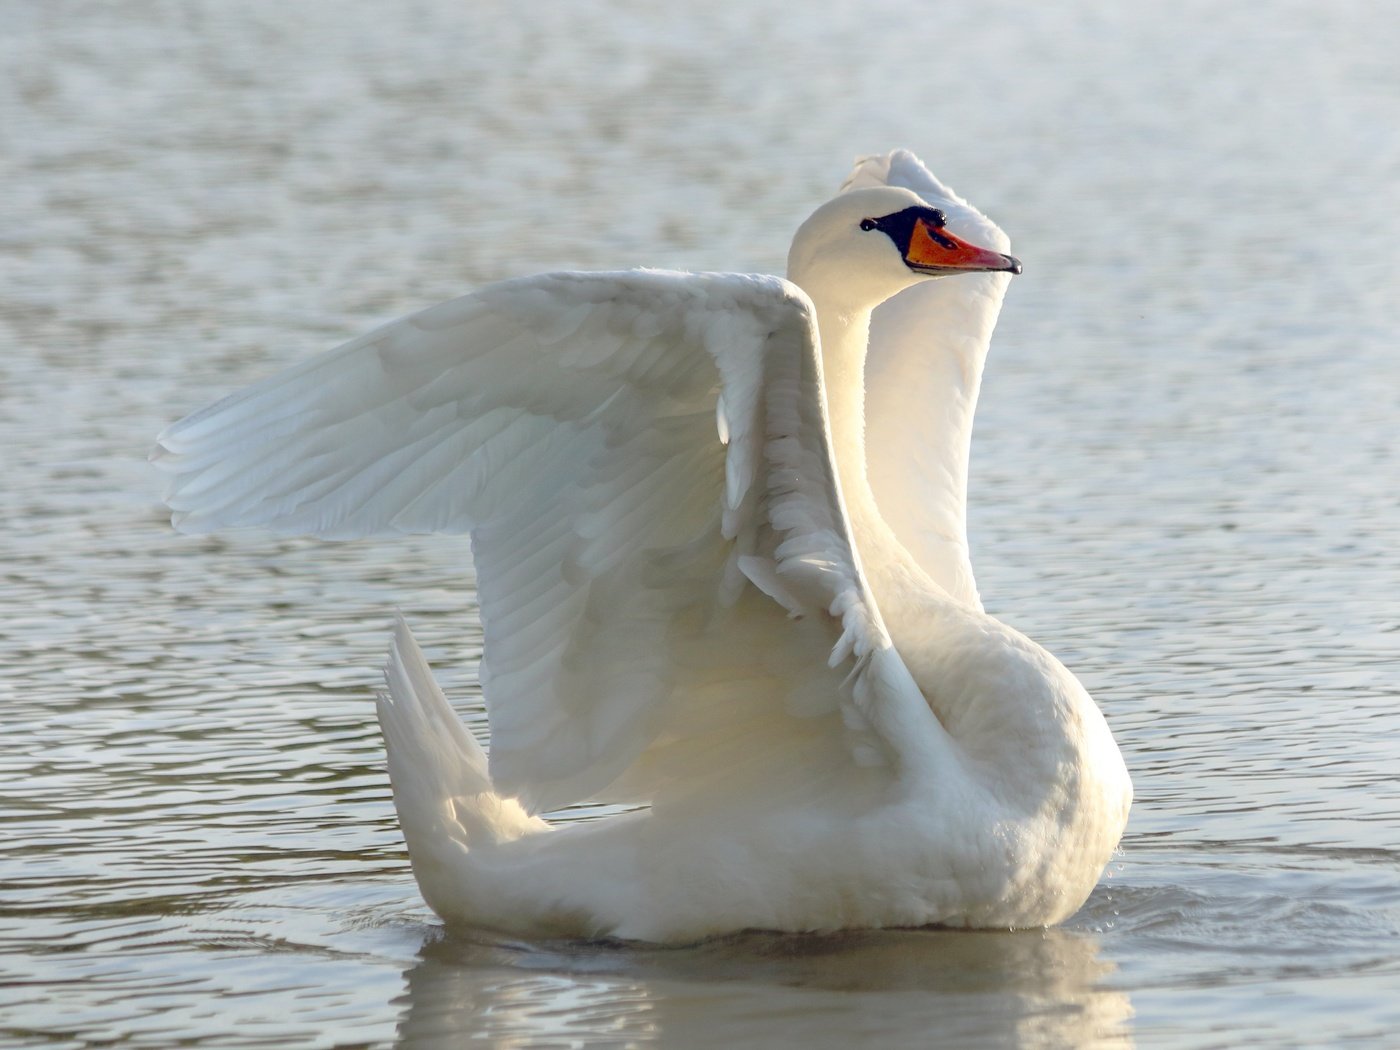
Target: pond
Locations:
point(1184, 485)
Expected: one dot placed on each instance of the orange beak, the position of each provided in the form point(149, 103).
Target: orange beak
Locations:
point(935, 250)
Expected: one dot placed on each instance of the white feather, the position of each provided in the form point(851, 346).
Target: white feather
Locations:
point(695, 593)
point(600, 499)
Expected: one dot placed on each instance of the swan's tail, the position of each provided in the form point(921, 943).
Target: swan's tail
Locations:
point(442, 786)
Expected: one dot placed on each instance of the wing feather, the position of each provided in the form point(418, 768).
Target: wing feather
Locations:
point(627, 452)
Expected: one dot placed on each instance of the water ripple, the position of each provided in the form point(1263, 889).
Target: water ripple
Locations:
point(1184, 485)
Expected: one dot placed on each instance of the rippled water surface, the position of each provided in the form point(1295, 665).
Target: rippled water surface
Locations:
point(1185, 485)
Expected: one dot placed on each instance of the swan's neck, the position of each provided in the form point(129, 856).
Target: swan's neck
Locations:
point(949, 435)
point(920, 400)
point(889, 568)
point(909, 508)
point(845, 337)
point(978, 677)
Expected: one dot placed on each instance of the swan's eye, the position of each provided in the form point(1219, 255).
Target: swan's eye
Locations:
point(938, 218)
point(868, 224)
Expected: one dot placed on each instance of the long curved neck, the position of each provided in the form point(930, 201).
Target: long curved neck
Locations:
point(946, 437)
point(901, 434)
point(935, 629)
point(907, 504)
point(845, 336)
point(923, 378)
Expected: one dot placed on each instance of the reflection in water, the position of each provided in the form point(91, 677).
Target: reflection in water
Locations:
point(1043, 988)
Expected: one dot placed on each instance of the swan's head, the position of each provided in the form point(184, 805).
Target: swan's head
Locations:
point(869, 244)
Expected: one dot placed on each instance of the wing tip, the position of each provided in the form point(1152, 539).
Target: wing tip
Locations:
point(187, 523)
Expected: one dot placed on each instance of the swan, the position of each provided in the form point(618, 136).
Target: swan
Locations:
point(701, 594)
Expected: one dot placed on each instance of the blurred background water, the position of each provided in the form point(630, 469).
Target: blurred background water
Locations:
point(1185, 485)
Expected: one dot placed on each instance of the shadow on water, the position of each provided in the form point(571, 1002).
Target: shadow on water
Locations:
point(891, 988)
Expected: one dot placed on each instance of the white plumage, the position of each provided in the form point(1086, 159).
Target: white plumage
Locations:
point(697, 590)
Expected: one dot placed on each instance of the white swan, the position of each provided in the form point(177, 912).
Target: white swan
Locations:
point(715, 620)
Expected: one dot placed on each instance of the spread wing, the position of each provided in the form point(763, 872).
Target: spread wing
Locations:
point(923, 375)
point(668, 590)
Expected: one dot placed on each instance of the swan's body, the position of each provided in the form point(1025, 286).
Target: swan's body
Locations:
point(754, 631)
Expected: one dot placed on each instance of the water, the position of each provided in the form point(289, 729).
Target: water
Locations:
point(1184, 485)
